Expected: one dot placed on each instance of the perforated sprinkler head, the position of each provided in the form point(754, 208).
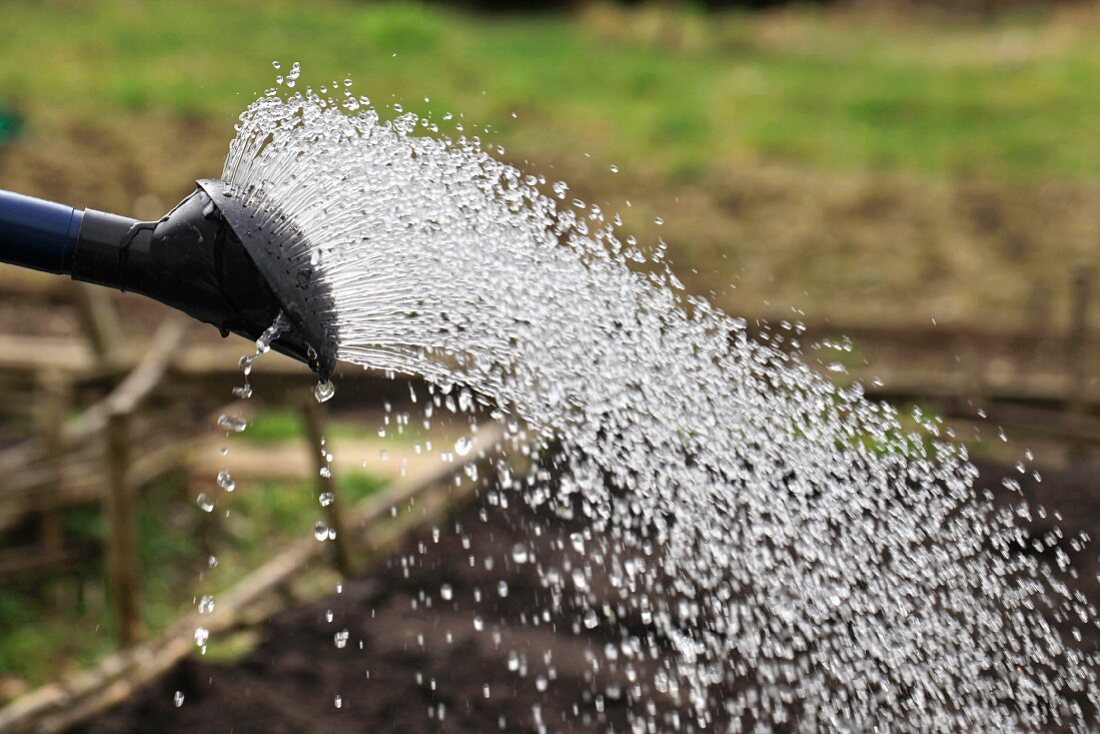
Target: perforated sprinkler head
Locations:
point(223, 256)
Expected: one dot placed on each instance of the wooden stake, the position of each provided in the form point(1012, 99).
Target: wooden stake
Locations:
point(55, 398)
point(100, 322)
point(1077, 345)
point(314, 420)
point(123, 564)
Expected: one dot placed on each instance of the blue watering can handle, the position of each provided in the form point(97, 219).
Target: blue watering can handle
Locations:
point(39, 234)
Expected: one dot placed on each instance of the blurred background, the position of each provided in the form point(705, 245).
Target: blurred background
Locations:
point(917, 182)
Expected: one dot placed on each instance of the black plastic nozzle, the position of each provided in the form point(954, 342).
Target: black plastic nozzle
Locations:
point(219, 256)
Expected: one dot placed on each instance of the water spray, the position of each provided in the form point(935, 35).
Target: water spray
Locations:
point(223, 256)
point(813, 562)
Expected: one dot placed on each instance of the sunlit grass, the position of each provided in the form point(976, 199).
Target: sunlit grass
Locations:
point(1016, 97)
point(273, 425)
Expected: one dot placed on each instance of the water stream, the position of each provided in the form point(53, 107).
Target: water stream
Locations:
point(815, 564)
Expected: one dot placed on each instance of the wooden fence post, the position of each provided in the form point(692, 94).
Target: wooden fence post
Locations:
point(314, 420)
point(55, 397)
point(1077, 346)
point(123, 564)
point(99, 322)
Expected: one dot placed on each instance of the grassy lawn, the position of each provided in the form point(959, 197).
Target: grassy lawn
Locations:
point(675, 90)
point(854, 165)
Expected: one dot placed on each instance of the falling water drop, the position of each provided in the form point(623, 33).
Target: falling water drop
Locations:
point(225, 481)
point(780, 531)
point(324, 390)
point(232, 423)
point(519, 553)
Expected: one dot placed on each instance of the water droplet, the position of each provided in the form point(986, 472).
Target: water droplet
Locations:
point(326, 498)
point(205, 503)
point(324, 390)
point(225, 481)
point(465, 400)
point(232, 423)
point(177, 699)
point(320, 531)
point(519, 553)
point(446, 593)
point(463, 445)
point(718, 468)
point(206, 604)
point(293, 74)
point(577, 540)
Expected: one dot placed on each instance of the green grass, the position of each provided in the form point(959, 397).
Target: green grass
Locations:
point(1014, 98)
point(283, 424)
point(273, 424)
point(49, 626)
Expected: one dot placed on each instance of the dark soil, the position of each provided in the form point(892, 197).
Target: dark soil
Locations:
point(414, 662)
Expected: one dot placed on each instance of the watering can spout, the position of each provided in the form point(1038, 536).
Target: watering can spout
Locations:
point(206, 257)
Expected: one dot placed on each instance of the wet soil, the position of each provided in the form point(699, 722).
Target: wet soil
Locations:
point(418, 658)
point(489, 658)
